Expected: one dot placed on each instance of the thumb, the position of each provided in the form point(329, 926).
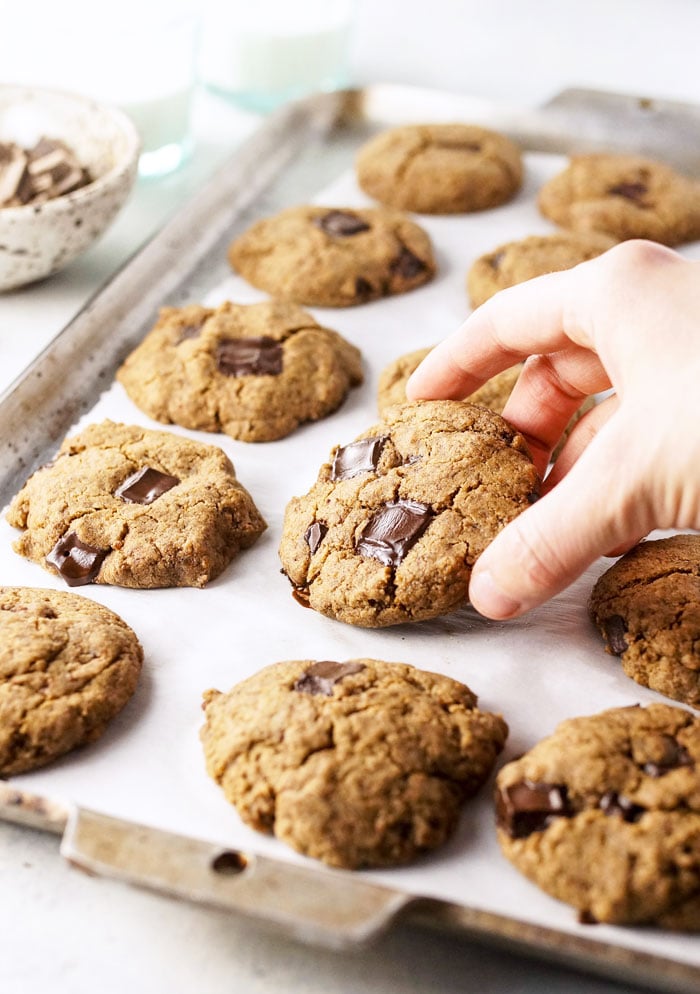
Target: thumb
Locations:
point(598, 506)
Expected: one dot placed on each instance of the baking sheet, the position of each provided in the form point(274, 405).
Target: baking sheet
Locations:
point(550, 665)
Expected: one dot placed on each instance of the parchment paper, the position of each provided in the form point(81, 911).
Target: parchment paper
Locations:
point(550, 665)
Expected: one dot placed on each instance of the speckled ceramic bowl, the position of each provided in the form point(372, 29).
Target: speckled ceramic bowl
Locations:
point(39, 239)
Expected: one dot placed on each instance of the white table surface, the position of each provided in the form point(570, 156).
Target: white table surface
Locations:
point(66, 932)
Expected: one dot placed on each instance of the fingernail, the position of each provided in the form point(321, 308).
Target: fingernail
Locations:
point(489, 599)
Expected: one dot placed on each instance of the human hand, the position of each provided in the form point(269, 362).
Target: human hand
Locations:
point(629, 319)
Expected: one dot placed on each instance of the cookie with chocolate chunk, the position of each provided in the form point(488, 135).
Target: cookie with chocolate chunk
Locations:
point(67, 667)
point(522, 260)
point(331, 257)
point(357, 763)
point(392, 527)
point(647, 607)
point(625, 196)
point(255, 372)
point(440, 168)
point(394, 377)
point(605, 815)
point(123, 505)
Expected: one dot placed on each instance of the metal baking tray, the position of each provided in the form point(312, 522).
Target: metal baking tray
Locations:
point(296, 153)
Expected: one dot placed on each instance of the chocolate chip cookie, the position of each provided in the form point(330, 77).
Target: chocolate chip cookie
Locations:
point(392, 527)
point(522, 260)
point(358, 763)
point(605, 815)
point(393, 378)
point(625, 196)
point(67, 667)
point(123, 505)
point(647, 607)
point(255, 372)
point(334, 257)
point(440, 168)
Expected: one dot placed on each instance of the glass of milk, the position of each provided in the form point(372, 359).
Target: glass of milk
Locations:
point(262, 53)
point(141, 57)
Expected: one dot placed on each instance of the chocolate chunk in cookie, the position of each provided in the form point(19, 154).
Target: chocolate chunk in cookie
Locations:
point(394, 537)
point(334, 258)
point(255, 372)
point(647, 607)
point(67, 667)
point(357, 763)
point(605, 815)
point(136, 508)
point(440, 168)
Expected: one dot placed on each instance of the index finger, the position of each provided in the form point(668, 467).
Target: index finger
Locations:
point(527, 319)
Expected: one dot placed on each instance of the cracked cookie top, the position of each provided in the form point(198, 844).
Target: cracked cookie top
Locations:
point(526, 258)
point(625, 196)
point(123, 505)
point(67, 667)
point(357, 763)
point(440, 168)
point(334, 257)
point(605, 815)
point(391, 528)
point(647, 607)
point(255, 372)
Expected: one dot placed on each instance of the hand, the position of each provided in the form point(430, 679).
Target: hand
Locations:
point(630, 320)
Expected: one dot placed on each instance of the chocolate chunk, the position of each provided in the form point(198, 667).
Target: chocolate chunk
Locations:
point(586, 917)
point(146, 485)
point(391, 531)
point(77, 562)
point(528, 807)
point(407, 265)
point(341, 224)
point(321, 677)
point(615, 630)
point(631, 191)
point(48, 170)
point(314, 535)
point(674, 756)
point(301, 595)
point(249, 357)
point(613, 803)
point(357, 457)
point(363, 287)
point(189, 331)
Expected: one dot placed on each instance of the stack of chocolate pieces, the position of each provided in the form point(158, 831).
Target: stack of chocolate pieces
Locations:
point(49, 169)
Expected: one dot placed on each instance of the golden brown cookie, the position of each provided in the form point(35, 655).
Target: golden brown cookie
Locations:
point(359, 763)
point(440, 168)
point(647, 607)
point(330, 257)
point(625, 196)
point(393, 378)
point(605, 815)
point(67, 667)
point(255, 372)
point(391, 529)
point(123, 505)
point(536, 255)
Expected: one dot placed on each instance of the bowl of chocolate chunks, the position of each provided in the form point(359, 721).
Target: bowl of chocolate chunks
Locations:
point(67, 166)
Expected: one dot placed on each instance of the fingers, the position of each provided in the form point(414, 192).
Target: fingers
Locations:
point(544, 401)
point(593, 509)
point(524, 320)
point(580, 437)
point(600, 305)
